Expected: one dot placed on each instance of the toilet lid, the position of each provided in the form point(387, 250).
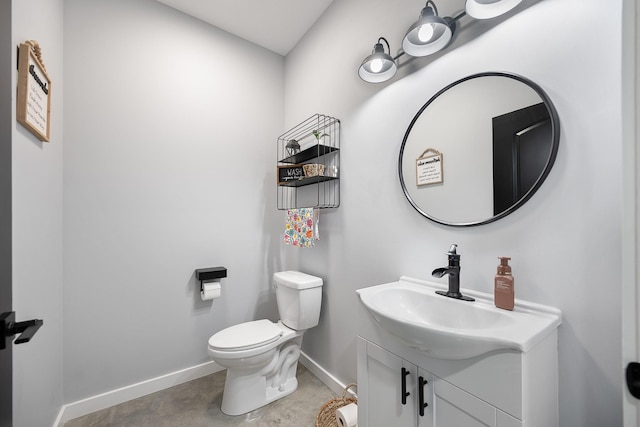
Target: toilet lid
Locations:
point(246, 335)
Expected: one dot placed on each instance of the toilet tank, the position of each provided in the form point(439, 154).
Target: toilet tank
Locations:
point(299, 297)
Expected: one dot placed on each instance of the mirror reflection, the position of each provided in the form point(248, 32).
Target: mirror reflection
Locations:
point(478, 149)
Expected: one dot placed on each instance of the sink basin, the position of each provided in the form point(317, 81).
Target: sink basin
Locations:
point(447, 328)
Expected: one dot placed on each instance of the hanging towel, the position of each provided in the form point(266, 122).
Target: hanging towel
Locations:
point(301, 228)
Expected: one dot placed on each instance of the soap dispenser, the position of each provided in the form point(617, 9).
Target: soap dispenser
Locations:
point(503, 292)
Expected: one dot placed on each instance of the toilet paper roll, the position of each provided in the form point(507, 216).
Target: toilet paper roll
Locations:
point(210, 291)
point(347, 415)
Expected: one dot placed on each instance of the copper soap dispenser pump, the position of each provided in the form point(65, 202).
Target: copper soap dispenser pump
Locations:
point(503, 293)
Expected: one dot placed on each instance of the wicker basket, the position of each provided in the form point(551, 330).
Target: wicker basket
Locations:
point(313, 169)
point(327, 415)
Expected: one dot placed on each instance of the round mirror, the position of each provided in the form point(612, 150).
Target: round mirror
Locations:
point(478, 149)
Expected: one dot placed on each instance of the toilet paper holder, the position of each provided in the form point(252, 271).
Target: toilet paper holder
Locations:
point(205, 275)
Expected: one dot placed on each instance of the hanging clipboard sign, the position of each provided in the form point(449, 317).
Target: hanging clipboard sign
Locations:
point(33, 110)
point(429, 167)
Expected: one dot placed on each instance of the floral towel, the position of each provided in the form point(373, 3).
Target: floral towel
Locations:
point(302, 227)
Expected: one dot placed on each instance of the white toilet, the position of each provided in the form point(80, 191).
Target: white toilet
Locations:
point(261, 357)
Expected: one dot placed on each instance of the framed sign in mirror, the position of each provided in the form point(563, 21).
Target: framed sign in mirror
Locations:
point(500, 132)
point(429, 167)
point(33, 109)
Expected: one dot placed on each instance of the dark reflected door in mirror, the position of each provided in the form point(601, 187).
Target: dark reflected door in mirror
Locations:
point(522, 145)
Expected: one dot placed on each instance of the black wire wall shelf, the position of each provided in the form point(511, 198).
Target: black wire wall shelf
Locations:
point(308, 169)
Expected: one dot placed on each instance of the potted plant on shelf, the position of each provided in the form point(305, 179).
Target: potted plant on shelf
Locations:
point(315, 141)
point(317, 134)
point(315, 169)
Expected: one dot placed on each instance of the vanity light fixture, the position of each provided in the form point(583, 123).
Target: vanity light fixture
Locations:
point(379, 66)
point(487, 9)
point(429, 34)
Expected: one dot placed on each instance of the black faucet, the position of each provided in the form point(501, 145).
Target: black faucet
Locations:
point(453, 270)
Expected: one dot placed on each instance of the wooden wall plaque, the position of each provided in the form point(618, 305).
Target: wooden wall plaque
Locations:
point(290, 173)
point(34, 92)
point(429, 168)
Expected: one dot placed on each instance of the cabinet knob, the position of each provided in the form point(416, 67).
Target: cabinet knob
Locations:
point(403, 379)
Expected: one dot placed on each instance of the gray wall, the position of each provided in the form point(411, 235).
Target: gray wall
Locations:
point(565, 242)
point(169, 166)
point(37, 227)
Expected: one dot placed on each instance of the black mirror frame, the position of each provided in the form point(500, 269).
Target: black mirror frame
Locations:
point(555, 125)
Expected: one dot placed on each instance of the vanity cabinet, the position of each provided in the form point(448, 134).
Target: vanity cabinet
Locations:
point(388, 389)
point(387, 378)
point(504, 388)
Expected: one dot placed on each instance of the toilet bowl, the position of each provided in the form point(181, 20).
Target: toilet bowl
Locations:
point(261, 356)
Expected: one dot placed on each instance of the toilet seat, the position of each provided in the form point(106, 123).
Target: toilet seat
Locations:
point(246, 336)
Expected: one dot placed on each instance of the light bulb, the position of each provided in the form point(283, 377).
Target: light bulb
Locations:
point(425, 33)
point(376, 65)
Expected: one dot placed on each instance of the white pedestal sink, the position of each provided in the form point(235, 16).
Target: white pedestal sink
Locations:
point(451, 329)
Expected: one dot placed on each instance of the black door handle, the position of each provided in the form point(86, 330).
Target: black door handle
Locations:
point(403, 379)
point(633, 379)
point(9, 327)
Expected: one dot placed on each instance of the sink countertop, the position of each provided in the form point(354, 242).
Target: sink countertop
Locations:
point(452, 329)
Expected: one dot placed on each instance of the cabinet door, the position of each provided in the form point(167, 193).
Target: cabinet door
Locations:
point(380, 388)
point(456, 407)
point(426, 398)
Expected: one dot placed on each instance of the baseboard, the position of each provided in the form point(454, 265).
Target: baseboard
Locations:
point(124, 394)
point(323, 375)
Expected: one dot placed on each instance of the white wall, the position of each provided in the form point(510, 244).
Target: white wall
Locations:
point(565, 242)
point(170, 131)
point(37, 227)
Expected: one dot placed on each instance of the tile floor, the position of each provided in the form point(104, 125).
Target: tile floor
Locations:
point(197, 404)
